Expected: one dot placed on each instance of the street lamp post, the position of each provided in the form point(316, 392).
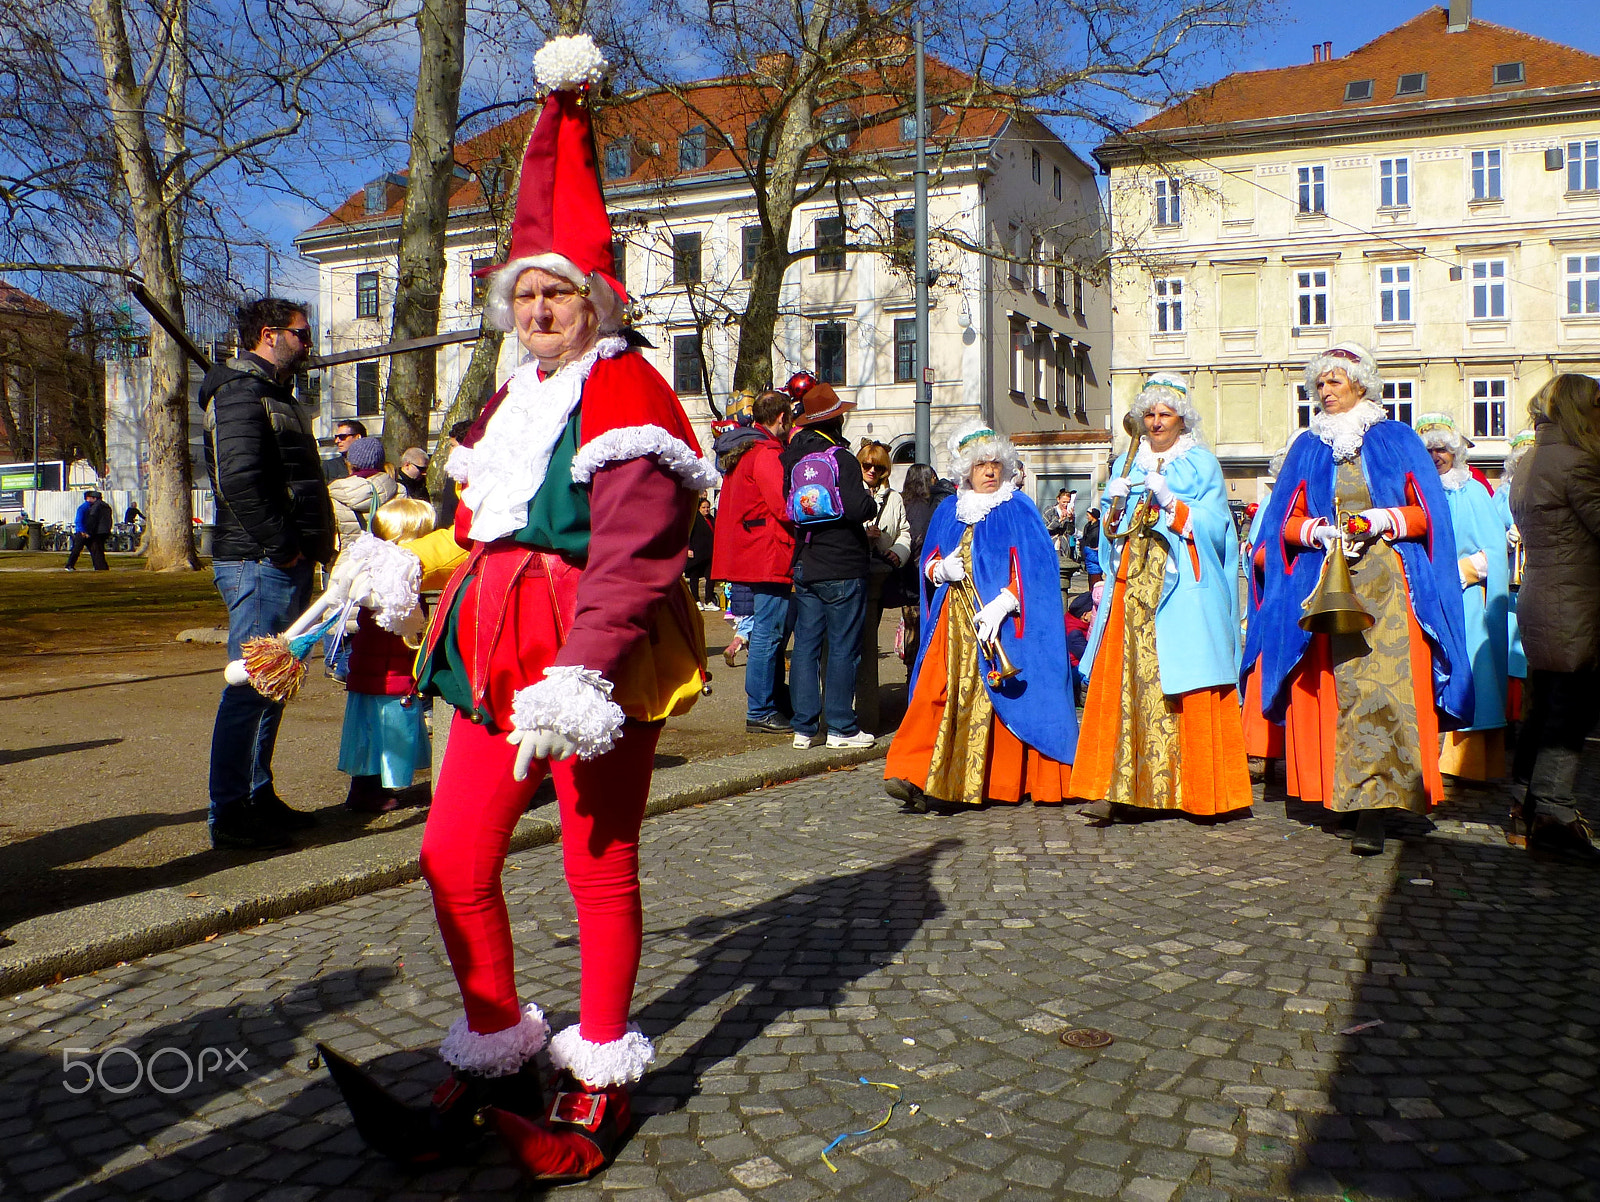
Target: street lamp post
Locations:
point(924, 403)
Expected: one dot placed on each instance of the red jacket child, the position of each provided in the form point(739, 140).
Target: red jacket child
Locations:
point(754, 540)
point(380, 662)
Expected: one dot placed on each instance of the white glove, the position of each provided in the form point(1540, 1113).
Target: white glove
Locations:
point(948, 570)
point(1381, 523)
point(1118, 487)
point(1473, 569)
point(1156, 484)
point(341, 576)
point(1326, 536)
point(540, 743)
point(995, 612)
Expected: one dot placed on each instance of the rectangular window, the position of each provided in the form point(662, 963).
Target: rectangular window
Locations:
point(1036, 265)
point(1077, 295)
point(687, 376)
point(1505, 73)
point(1303, 408)
point(1169, 304)
point(692, 150)
point(366, 389)
point(1080, 403)
point(1489, 408)
point(480, 283)
point(1313, 189)
point(1398, 396)
point(619, 159)
point(1488, 289)
point(1061, 285)
point(905, 350)
point(1019, 240)
point(1041, 364)
point(619, 261)
point(1583, 166)
point(1358, 89)
point(1413, 84)
point(1057, 178)
point(908, 127)
point(1037, 163)
point(1311, 297)
point(1485, 175)
point(1394, 295)
point(749, 245)
point(1168, 205)
point(1019, 355)
point(828, 342)
point(1583, 284)
point(367, 294)
point(1060, 365)
point(1394, 183)
point(686, 258)
point(828, 240)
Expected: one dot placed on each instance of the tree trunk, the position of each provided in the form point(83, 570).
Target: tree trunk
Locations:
point(169, 542)
point(441, 29)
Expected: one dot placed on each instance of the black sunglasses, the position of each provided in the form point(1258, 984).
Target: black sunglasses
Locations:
point(303, 333)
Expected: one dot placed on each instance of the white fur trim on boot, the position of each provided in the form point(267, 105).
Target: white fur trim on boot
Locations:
point(499, 1053)
point(620, 1062)
point(575, 701)
point(630, 442)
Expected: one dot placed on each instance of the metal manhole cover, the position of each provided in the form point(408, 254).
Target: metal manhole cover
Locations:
point(1086, 1037)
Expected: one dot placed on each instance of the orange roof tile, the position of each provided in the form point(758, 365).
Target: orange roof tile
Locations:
point(1458, 65)
point(15, 300)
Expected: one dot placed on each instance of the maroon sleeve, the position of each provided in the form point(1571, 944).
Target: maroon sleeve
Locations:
point(638, 543)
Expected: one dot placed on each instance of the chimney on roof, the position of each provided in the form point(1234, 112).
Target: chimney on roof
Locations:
point(1327, 52)
point(1460, 16)
point(1316, 52)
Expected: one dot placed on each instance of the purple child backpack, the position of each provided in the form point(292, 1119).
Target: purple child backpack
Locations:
point(814, 489)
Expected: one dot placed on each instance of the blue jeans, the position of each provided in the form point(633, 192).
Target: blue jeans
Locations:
point(835, 610)
point(768, 633)
point(262, 598)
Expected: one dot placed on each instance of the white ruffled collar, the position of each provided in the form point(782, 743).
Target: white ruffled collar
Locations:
point(1344, 431)
point(1456, 478)
point(973, 507)
point(1145, 459)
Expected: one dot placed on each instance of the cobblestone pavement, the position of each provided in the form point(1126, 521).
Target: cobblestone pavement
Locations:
point(1289, 1020)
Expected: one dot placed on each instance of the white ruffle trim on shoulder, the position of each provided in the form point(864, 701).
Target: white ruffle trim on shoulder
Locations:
point(973, 507)
point(575, 701)
point(630, 442)
point(1145, 459)
point(620, 1062)
point(499, 1053)
point(394, 578)
point(459, 466)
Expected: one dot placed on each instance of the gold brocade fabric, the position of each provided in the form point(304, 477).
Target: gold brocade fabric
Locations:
point(961, 749)
point(1377, 760)
point(1144, 771)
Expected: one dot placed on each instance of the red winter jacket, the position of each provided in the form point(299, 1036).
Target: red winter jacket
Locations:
point(754, 542)
point(380, 662)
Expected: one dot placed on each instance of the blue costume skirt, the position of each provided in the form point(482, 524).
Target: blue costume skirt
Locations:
point(385, 737)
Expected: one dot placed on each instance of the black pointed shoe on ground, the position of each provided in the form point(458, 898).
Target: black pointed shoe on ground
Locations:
point(450, 1127)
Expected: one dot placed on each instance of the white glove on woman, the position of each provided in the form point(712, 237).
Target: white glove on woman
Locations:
point(1381, 523)
point(1326, 536)
point(1116, 487)
point(947, 570)
point(1156, 484)
point(995, 612)
point(540, 743)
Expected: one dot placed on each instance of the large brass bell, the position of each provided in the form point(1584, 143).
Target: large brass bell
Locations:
point(1334, 608)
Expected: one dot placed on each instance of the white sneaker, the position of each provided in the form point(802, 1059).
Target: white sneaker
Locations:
point(860, 739)
point(807, 742)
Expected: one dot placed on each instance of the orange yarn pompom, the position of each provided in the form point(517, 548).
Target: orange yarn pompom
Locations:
point(274, 670)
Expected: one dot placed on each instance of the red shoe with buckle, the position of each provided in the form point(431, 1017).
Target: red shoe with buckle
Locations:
point(576, 1139)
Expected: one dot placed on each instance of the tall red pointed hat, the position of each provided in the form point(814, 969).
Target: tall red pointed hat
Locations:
point(560, 222)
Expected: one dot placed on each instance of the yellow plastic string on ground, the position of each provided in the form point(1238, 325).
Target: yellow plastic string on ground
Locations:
point(878, 1126)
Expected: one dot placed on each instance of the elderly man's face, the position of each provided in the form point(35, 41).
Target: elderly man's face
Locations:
point(554, 322)
point(985, 477)
point(1443, 458)
point(1336, 391)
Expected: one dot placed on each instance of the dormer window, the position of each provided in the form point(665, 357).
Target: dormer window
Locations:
point(1414, 84)
point(692, 149)
point(1358, 89)
point(619, 159)
point(1508, 73)
point(375, 197)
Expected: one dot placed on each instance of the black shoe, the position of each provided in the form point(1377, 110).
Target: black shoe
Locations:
point(247, 830)
point(274, 810)
point(1570, 840)
point(1367, 839)
point(912, 799)
point(1343, 827)
point(770, 725)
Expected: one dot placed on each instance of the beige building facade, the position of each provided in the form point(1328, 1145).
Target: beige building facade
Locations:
point(1433, 195)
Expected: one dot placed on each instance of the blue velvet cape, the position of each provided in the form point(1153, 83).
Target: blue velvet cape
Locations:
point(1486, 606)
point(1037, 705)
point(1391, 457)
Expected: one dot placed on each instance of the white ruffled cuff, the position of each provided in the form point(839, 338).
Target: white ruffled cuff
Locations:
point(620, 1062)
point(575, 701)
point(394, 579)
point(630, 442)
point(459, 466)
point(499, 1053)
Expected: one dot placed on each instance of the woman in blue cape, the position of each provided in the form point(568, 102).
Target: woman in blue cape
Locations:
point(1161, 722)
point(1516, 659)
point(1478, 751)
point(1361, 712)
point(971, 733)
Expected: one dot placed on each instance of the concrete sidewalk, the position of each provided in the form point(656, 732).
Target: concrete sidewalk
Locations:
point(90, 937)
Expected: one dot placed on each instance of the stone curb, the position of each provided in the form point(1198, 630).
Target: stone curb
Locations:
point(87, 938)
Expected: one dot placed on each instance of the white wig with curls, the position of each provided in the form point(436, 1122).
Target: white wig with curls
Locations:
point(502, 288)
point(1172, 390)
point(1439, 430)
point(974, 443)
point(1355, 361)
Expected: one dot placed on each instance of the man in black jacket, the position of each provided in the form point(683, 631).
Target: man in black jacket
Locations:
point(274, 523)
point(830, 577)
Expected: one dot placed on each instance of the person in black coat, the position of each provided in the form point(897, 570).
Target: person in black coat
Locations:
point(702, 538)
point(274, 523)
point(91, 528)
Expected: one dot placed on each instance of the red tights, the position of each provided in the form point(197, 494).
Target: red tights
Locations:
point(475, 806)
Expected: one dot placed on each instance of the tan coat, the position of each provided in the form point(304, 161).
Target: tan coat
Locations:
point(352, 502)
point(1555, 498)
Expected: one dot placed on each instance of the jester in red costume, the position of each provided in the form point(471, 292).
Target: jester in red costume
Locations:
point(563, 641)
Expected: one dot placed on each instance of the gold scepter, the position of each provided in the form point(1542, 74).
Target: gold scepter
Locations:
point(1130, 426)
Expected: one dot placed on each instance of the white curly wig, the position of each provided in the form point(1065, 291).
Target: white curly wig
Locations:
point(974, 443)
point(1439, 430)
point(1355, 361)
point(1519, 445)
point(1172, 390)
point(502, 287)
